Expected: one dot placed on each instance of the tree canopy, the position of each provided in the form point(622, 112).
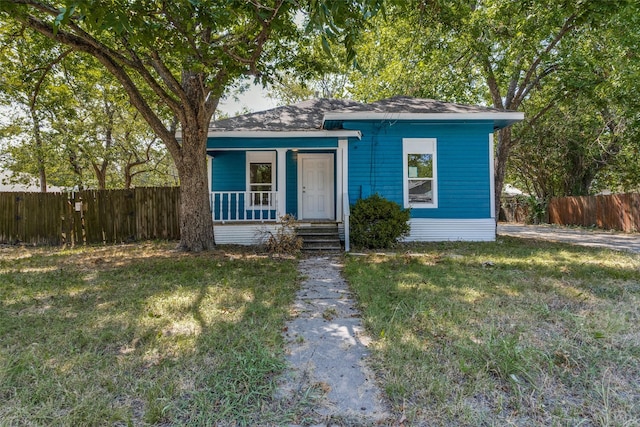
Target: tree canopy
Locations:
point(183, 55)
point(505, 54)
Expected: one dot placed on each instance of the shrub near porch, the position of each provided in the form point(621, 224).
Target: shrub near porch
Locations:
point(513, 332)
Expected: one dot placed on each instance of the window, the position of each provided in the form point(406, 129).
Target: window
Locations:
point(261, 177)
point(420, 172)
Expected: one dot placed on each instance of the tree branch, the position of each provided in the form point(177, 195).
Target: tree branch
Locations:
point(494, 89)
point(46, 70)
point(522, 89)
point(106, 58)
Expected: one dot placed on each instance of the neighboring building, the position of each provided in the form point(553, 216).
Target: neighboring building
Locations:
point(31, 186)
point(314, 159)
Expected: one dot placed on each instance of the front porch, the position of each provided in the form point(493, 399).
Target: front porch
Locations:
point(245, 206)
point(250, 217)
point(251, 189)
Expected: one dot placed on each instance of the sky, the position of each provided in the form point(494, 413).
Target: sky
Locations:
point(254, 99)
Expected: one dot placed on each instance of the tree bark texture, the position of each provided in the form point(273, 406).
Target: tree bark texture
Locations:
point(196, 223)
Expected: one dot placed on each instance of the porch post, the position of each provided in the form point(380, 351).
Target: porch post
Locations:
point(343, 167)
point(339, 178)
point(281, 182)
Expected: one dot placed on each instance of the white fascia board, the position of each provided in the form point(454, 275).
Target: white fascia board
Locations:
point(511, 116)
point(287, 134)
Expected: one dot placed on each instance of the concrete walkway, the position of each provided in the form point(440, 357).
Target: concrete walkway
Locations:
point(576, 236)
point(327, 350)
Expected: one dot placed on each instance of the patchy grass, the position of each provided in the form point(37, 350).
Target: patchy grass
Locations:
point(515, 332)
point(141, 335)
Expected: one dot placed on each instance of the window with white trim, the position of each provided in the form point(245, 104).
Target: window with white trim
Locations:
point(261, 177)
point(420, 170)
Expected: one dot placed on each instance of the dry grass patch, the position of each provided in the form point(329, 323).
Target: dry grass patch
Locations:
point(514, 332)
point(141, 335)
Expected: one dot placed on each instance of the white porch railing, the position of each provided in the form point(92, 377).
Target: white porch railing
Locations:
point(242, 206)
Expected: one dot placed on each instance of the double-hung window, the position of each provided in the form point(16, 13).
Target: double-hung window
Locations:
point(261, 177)
point(420, 172)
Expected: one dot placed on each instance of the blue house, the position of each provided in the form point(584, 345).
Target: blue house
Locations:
point(314, 159)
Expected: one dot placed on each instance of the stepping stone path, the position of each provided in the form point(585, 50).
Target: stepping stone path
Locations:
point(327, 350)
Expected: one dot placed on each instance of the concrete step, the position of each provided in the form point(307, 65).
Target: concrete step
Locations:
point(320, 238)
point(323, 248)
point(304, 231)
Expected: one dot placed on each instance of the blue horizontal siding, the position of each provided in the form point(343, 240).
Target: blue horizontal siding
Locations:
point(229, 167)
point(292, 183)
point(376, 165)
point(228, 171)
point(271, 143)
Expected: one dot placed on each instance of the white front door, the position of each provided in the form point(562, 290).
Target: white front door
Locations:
point(316, 192)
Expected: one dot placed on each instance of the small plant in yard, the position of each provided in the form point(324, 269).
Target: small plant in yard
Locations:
point(537, 210)
point(284, 240)
point(546, 336)
point(378, 223)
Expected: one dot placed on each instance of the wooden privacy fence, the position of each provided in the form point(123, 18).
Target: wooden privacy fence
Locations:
point(610, 212)
point(92, 216)
point(513, 209)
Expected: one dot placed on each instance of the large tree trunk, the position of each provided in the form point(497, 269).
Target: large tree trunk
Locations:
point(196, 224)
point(128, 178)
point(101, 175)
point(39, 150)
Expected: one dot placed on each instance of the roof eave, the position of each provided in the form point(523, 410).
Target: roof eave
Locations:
point(504, 117)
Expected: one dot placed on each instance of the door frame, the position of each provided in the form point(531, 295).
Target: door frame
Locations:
point(331, 182)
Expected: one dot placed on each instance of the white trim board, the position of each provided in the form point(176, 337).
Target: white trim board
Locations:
point(422, 230)
point(420, 146)
point(285, 134)
point(243, 234)
point(442, 230)
point(294, 149)
point(368, 115)
point(492, 178)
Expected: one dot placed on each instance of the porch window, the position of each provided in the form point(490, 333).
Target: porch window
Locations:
point(420, 172)
point(261, 178)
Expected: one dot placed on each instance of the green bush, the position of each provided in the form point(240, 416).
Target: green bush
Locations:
point(378, 223)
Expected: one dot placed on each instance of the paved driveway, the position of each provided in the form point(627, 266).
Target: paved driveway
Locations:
point(602, 239)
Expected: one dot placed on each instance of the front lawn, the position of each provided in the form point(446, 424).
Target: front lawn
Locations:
point(515, 332)
point(141, 335)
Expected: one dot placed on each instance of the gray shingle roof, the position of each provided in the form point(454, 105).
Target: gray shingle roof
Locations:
point(309, 115)
point(306, 115)
point(407, 104)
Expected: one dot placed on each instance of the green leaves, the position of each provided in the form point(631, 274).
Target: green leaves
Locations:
point(377, 223)
point(62, 18)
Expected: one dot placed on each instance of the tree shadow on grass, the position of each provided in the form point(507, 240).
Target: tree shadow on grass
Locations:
point(506, 332)
point(137, 338)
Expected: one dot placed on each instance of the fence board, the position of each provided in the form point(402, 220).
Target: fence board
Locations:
point(90, 216)
point(609, 212)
